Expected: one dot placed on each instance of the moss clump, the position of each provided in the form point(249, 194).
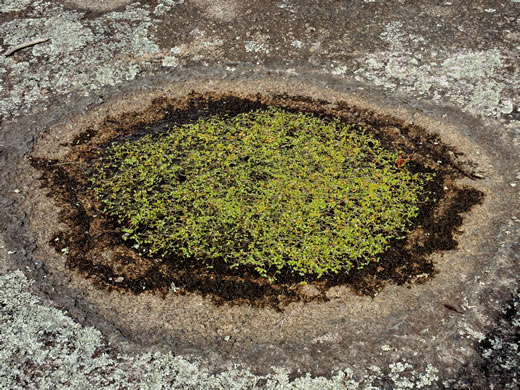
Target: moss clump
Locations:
point(269, 189)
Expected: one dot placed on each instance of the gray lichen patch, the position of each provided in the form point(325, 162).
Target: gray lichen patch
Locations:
point(474, 80)
point(81, 55)
point(410, 56)
point(98, 5)
point(13, 5)
point(41, 340)
point(165, 6)
point(41, 347)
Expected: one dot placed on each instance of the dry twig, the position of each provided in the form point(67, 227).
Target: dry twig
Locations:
point(24, 45)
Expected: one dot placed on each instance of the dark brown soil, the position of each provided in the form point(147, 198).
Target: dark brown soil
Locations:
point(94, 245)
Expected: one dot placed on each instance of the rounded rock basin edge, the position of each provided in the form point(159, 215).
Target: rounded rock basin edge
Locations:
point(316, 337)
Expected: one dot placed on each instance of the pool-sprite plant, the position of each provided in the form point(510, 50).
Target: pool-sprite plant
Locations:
point(268, 189)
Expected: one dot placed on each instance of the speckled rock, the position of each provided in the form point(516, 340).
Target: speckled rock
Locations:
point(448, 65)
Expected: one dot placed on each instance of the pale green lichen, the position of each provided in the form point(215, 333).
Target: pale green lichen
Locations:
point(297, 44)
point(339, 70)
point(413, 379)
point(170, 61)
point(41, 347)
point(255, 47)
point(393, 33)
point(471, 79)
point(166, 5)
point(80, 56)
point(13, 5)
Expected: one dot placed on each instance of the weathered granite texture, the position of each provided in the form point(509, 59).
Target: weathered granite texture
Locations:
point(454, 63)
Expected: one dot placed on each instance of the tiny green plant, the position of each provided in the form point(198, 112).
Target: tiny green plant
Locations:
point(268, 189)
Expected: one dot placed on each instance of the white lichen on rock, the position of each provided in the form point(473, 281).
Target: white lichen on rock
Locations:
point(41, 347)
point(339, 70)
point(170, 61)
point(166, 5)
point(473, 80)
point(13, 5)
point(471, 333)
point(81, 55)
point(393, 33)
point(297, 44)
point(255, 47)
